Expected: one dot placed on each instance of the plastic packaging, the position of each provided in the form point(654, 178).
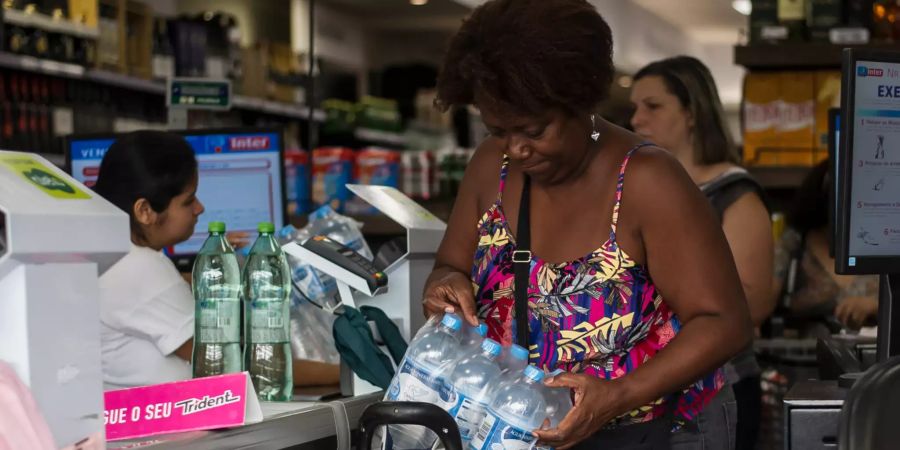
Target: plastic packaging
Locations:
point(515, 410)
point(470, 384)
point(422, 377)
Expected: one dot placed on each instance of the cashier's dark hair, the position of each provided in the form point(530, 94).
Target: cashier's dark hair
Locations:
point(526, 56)
point(691, 82)
point(154, 165)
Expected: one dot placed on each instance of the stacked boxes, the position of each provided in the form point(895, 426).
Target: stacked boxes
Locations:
point(785, 117)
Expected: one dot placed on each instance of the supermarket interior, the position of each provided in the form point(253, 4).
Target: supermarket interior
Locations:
point(309, 224)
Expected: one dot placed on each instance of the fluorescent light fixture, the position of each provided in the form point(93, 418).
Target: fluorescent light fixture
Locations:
point(418, 2)
point(742, 6)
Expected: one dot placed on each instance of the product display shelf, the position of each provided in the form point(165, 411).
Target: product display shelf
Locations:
point(796, 55)
point(105, 77)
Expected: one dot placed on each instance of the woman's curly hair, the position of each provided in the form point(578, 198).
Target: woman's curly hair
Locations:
point(529, 55)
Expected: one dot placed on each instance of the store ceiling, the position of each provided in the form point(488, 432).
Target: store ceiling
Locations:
point(400, 8)
point(708, 21)
point(441, 16)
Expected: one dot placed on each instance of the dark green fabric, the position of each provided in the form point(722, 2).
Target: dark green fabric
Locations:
point(356, 344)
point(388, 330)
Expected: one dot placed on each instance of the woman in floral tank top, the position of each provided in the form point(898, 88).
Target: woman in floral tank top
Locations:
point(632, 289)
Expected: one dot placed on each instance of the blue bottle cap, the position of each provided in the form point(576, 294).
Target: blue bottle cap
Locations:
point(519, 352)
point(481, 329)
point(491, 347)
point(320, 213)
point(534, 373)
point(287, 231)
point(451, 321)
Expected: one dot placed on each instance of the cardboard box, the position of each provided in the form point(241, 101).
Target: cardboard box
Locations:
point(780, 119)
point(760, 114)
point(271, 70)
point(828, 95)
point(139, 39)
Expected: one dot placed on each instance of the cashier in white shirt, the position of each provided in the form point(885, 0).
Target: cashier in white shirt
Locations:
point(146, 306)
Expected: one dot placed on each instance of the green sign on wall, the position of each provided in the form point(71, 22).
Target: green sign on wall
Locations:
point(198, 93)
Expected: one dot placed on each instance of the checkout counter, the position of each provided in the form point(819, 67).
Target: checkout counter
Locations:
point(312, 425)
point(51, 228)
point(812, 408)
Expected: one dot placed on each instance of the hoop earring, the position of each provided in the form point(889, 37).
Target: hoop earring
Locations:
point(595, 135)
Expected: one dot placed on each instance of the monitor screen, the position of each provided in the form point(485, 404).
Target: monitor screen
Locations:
point(240, 177)
point(869, 162)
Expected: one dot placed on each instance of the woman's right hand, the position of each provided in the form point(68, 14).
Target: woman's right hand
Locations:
point(451, 292)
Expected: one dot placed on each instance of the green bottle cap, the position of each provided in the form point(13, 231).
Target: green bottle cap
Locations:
point(266, 227)
point(217, 227)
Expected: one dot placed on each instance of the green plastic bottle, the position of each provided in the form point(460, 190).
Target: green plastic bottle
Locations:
point(217, 296)
point(267, 288)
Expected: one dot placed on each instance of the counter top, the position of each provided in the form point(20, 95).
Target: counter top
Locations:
point(284, 425)
point(816, 393)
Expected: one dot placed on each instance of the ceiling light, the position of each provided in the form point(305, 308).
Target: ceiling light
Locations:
point(418, 2)
point(742, 6)
point(625, 81)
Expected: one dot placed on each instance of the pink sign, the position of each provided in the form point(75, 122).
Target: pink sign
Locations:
point(199, 404)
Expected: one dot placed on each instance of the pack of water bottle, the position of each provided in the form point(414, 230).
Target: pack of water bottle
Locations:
point(316, 285)
point(219, 288)
point(496, 398)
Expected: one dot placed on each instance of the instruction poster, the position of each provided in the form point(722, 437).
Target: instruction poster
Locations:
point(875, 213)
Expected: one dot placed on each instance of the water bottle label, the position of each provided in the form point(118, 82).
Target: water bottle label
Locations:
point(497, 433)
point(415, 383)
point(469, 415)
point(267, 322)
point(219, 321)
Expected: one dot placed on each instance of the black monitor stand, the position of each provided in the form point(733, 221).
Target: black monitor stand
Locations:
point(888, 316)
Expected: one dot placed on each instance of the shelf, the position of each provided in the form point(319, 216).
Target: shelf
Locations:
point(47, 23)
point(276, 108)
point(384, 137)
point(43, 66)
point(796, 55)
point(155, 87)
point(779, 177)
point(124, 81)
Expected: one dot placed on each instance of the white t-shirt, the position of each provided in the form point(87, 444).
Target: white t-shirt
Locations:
point(146, 313)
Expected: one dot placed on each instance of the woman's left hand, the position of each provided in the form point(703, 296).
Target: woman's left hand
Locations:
point(596, 403)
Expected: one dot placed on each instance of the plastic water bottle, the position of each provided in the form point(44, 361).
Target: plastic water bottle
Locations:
point(469, 382)
point(421, 377)
point(513, 362)
point(324, 221)
point(514, 412)
point(559, 403)
point(315, 285)
point(267, 288)
point(418, 377)
point(471, 338)
point(216, 282)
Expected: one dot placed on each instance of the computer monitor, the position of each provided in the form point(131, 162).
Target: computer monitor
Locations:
point(868, 208)
point(834, 142)
point(241, 178)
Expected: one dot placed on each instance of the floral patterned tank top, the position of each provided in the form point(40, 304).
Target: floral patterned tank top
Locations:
point(600, 315)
